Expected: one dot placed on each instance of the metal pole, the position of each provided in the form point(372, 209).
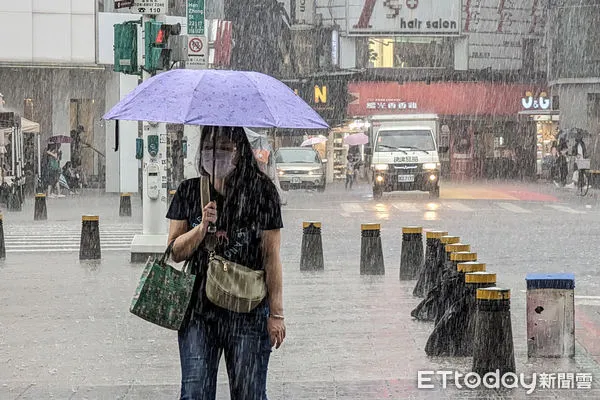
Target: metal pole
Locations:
point(13, 147)
point(153, 239)
point(39, 156)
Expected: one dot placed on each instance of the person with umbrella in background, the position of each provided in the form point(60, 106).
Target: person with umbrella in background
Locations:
point(53, 169)
point(246, 212)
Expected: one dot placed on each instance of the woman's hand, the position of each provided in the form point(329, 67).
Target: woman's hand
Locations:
point(276, 329)
point(209, 215)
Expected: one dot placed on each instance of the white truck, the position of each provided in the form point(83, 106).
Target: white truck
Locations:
point(404, 153)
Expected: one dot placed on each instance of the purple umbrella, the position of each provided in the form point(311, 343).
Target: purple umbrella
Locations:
point(217, 98)
point(356, 139)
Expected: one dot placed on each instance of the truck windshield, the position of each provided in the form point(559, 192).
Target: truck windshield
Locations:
point(394, 140)
point(299, 155)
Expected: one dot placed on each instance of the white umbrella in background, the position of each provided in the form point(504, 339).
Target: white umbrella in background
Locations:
point(356, 139)
point(314, 140)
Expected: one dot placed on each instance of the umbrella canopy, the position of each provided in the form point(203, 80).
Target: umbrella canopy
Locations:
point(59, 139)
point(314, 140)
point(217, 98)
point(356, 139)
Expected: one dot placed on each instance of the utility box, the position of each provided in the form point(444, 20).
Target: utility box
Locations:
point(179, 48)
point(550, 315)
point(125, 48)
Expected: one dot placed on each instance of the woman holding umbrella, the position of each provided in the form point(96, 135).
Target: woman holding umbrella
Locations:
point(246, 212)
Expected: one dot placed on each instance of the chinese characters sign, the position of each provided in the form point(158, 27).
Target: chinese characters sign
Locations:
point(195, 17)
point(391, 105)
point(150, 7)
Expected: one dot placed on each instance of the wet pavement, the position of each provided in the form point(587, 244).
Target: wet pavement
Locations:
point(66, 332)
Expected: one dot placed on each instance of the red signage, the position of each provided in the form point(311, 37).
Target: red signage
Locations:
point(442, 98)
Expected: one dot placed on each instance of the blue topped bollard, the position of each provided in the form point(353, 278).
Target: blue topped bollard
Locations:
point(550, 315)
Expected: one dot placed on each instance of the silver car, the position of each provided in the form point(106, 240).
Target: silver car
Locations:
point(300, 168)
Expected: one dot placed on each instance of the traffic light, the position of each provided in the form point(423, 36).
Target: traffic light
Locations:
point(125, 48)
point(158, 53)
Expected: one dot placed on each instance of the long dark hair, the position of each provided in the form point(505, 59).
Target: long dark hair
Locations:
point(247, 178)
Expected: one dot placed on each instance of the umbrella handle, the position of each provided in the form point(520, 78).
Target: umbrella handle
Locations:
point(212, 228)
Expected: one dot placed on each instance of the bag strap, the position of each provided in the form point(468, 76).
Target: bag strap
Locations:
point(167, 253)
point(210, 238)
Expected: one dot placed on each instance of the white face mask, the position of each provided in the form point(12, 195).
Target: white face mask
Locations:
point(223, 162)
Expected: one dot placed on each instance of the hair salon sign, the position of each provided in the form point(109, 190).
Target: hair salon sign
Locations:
point(541, 101)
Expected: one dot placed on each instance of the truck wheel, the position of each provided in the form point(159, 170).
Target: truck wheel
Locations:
point(435, 192)
point(377, 193)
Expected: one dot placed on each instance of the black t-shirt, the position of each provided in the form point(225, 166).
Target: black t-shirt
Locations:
point(241, 218)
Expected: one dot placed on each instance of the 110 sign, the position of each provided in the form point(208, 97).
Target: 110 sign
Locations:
point(150, 7)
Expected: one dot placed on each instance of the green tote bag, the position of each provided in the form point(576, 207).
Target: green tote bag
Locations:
point(163, 293)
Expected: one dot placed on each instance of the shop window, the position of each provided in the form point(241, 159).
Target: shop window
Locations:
point(461, 142)
point(403, 52)
point(593, 105)
point(593, 111)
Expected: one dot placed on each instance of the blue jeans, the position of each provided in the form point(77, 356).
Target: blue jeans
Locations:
point(244, 340)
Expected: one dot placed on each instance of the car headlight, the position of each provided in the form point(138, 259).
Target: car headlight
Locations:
point(280, 172)
point(431, 165)
point(381, 167)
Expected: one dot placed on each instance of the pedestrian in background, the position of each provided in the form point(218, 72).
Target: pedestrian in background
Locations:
point(53, 169)
point(246, 212)
point(350, 163)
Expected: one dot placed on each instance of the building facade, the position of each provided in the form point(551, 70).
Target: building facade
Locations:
point(574, 67)
point(49, 73)
point(419, 54)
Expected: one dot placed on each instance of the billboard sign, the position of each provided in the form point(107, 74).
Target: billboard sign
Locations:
point(403, 17)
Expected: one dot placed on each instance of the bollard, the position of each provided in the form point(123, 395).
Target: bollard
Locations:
point(89, 248)
point(14, 202)
point(450, 248)
point(493, 343)
point(125, 205)
point(453, 282)
point(2, 245)
point(311, 255)
point(371, 251)
point(433, 259)
point(453, 334)
point(550, 315)
point(40, 211)
point(427, 308)
point(411, 256)
point(445, 240)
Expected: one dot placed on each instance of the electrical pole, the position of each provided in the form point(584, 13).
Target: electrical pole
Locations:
point(156, 53)
point(153, 239)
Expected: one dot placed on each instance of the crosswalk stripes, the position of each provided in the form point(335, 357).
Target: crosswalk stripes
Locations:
point(349, 209)
point(514, 208)
point(459, 207)
point(406, 207)
point(352, 208)
point(67, 239)
point(565, 209)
